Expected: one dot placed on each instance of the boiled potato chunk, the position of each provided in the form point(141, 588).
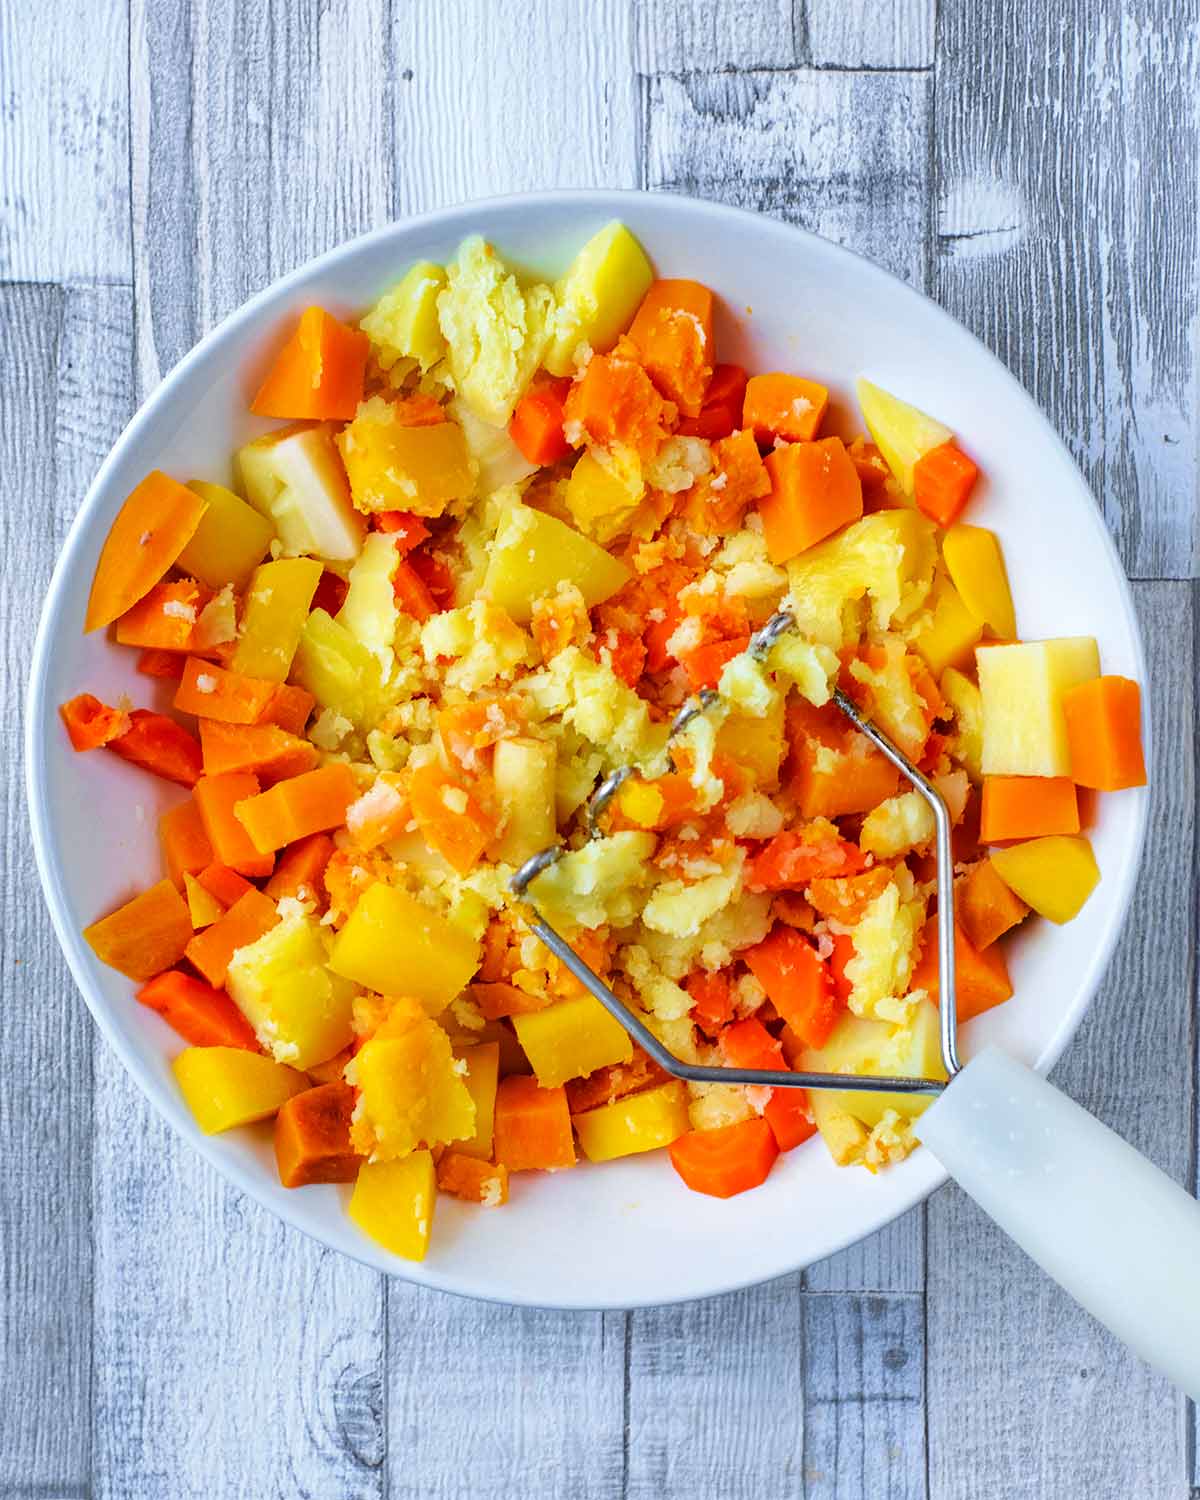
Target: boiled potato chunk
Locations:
point(339, 671)
point(603, 495)
point(952, 632)
point(393, 1203)
point(395, 467)
point(755, 744)
point(639, 1122)
point(900, 432)
point(396, 945)
point(842, 1133)
point(482, 1078)
point(369, 611)
point(1022, 687)
point(295, 478)
point(273, 617)
point(410, 1088)
point(1054, 875)
point(867, 1047)
point(301, 1013)
point(403, 324)
point(598, 296)
point(230, 541)
point(963, 698)
point(498, 460)
point(976, 566)
point(524, 778)
point(533, 553)
point(571, 1039)
point(228, 1086)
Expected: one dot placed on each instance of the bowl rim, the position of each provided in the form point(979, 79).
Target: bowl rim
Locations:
point(613, 200)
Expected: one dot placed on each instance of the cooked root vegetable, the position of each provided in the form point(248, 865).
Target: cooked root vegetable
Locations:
point(523, 775)
point(91, 723)
point(636, 1123)
point(164, 618)
point(533, 1126)
point(497, 1000)
point(270, 752)
point(146, 935)
point(211, 692)
point(784, 407)
point(393, 465)
point(318, 374)
point(289, 707)
point(1104, 734)
point(721, 414)
point(276, 608)
point(597, 297)
point(230, 541)
point(727, 1161)
point(482, 1077)
point(185, 844)
point(534, 553)
point(161, 664)
point(159, 745)
point(246, 920)
point(943, 479)
point(1022, 689)
point(340, 673)
point(299, 869)
point(797, 983)
point(312, 1137)
point(393, 1203)
point(396, 945)
point(203, 906)
point(986, 907)
point(901, 433)
point(953, 631)
point(537, 423)
point(152, 528)
point(861, 1046)
point(403, 324)
point(980, 975)
point(616, 404)
point(291, 810)
point(411, 1089)
point(976, 566)
point(1026, 807)
point(475, 1181)
point(228, 1086)
point(673, 334)
point(217, 797)
point(225, 884)
point(202, 1016)
point(834, 771)
point(748, 1044)
point(449, 817)
point(815, 491)
point(295, 478)
point(571, 1039)
point(1054, 875)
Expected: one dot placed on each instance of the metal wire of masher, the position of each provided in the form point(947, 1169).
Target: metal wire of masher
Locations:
point(760, 646)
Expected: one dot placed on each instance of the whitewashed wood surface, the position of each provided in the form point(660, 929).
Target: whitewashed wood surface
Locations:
point(1032, 165)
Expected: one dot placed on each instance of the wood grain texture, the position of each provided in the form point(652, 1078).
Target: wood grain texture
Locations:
point(64, 144)
point(893, 1260)
point(862, 34)
point(1027, 1395)
point(465, 127)
point(491, 1400)
point(844, 154)
point(697, 36)
point(1067, 209)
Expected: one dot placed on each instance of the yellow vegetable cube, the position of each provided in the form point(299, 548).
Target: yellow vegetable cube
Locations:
point(340, 672)
point(1022, 687)
point(411, 1087)
point(230, 541)
point(963, 698)
point(369, 611)
point(403, 324)
point(857, 1045)
point(295, 479)
point(396, 945)
point(393, 1203)
point(900, 432)
point(639, 1122)
point(228, 1086)
point(571, 1039)
point(273, 617)
point(603, 494)
point(301, 1013)
point(482, 1079)
point(976, 565)
point(842, 1133)
point(203, 906)
point(1054, 875)
point(598, 296)
point(524, 779)
point(394, 467)
point(952, 632)
point(756, 745)
point(534, 553)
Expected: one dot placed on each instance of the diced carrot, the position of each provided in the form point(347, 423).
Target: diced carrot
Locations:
point(408, 530)
point(312, 1137)
point(289, 708)
point(216, 797)
point(748, 1044)
point(663, 802)
point(537, 423)
point(705, 663)
point(159, 745)
point(872, 469)
point(466, 728)
point(152, 528)
point(616, 402)
point(715, 503)
point(845, 898)
point(292, 809)
point(91, 723)
point(658, 633)
point(985, 905)
point(712, 999)
point(449, 817)
point(792, 859)
point(815, 491)
point(300, 867)
point(412, 592)
point(495, 999)
point(223, 883)
point(797, 982)
point(726, 1161)
point(164, 664)
point(248, 919)
point(270, 752)
point(721, 414)
point(854, 780)
point(783, 406)
point(474, 1180)
point(185, 844)
point(843, 952)
point(164, 619)
point(318, 374)
point(625, 654)
point(1027, 807)
point(616, 1081)
point(212, 692)
point(1104, 732)
point(146, 935)
point(435, 573)
point(672, 331)
point(202, 1016)
point(533, 1126)
point(981, 977)
point(943, 480)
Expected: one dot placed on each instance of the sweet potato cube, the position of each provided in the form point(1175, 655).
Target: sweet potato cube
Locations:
point(312, 1137)
point(146, 935)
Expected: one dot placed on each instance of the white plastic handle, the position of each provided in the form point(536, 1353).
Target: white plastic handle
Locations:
point(1111, 1228)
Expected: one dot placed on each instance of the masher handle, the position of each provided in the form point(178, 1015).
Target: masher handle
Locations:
point(1108, 1225)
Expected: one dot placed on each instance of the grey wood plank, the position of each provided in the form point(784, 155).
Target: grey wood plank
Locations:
point(511, 96)
point(64, 146)
point(1026, 1394)
point(717, 1397)
point(844, 154)
point(1067, 192)
point(893, 1260)
point(862, 34)
point(492, 1400)
point(46, 440)
point(864, 1397)
point(701, 36)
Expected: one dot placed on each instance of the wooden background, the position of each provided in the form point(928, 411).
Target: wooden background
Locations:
point(1033, 166)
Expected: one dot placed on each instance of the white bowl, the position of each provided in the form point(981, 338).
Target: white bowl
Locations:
point(629, 1233)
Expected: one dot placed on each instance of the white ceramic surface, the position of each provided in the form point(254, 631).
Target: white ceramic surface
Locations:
point(629, 1233)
